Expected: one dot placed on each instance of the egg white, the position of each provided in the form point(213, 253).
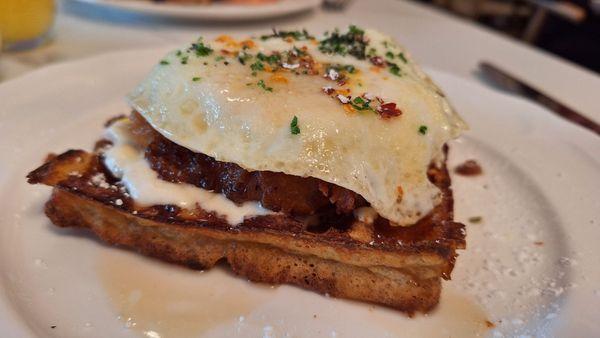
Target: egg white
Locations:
point(220, 110)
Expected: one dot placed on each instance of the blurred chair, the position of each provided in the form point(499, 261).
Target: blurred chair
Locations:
point(567, 28)
point(533, 12)
point(478, 8)
point(509, 16)
point(563, 9)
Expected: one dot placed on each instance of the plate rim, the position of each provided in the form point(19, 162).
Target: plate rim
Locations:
point(212, 12)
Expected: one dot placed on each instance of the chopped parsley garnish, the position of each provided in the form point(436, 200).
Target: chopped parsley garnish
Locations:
point(219, 58)
point(294, 129)
point(257, 66)
point(196, 79)
point(353, 42)
point(262, 85)
point(271, 59)
point(355, 30)
point(164, 62)
point(423, 130)
point(298, 52)
point(184, 60)
point(296, 35)
point(349, 68)
point(359, 103)
point(389, 55)
point(394, 69)
point(243, 57)
point(178, 53)
point(372, 52)
point(402, 57)
point(201, 49)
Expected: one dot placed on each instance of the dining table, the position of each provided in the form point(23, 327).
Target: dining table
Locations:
point(438, 39)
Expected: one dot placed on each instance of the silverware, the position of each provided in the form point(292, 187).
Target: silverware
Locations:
point(335, 4)
point(505, 81)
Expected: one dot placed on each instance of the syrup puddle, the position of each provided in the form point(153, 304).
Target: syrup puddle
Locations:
point(161, 301)
point(158, 300)
point(455, 316)
point(458, 316)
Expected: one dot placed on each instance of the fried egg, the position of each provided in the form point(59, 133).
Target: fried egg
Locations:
point(352, 109)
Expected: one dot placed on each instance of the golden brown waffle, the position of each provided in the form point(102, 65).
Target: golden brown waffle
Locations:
point(400, 267)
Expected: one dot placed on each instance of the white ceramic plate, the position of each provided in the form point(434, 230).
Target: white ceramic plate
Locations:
point(530, 267)
point(212, 12)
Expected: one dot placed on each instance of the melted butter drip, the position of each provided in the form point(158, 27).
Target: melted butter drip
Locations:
point(127, 162)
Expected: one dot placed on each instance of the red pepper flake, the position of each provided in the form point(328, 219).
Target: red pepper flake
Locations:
point(377, 61)
point(388, 110)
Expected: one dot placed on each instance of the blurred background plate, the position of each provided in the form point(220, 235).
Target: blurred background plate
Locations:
point(212, 12)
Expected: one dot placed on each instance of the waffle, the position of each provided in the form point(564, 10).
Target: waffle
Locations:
point(399, 267)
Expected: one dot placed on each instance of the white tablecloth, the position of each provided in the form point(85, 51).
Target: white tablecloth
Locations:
point(436, 39)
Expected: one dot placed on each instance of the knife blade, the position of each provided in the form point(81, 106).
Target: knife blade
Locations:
point(510, 83)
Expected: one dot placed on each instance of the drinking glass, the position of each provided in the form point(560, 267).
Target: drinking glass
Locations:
point(25, 23)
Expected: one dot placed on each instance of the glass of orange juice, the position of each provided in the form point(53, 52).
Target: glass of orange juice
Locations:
point(25, 23)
